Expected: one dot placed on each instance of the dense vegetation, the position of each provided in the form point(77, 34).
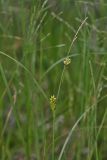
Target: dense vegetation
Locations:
point(36, 36)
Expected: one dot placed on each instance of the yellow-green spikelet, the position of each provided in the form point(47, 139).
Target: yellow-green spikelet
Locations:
point(67, 61)
point(53, 102)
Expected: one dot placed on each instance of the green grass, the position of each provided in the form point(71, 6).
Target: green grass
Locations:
point(35, 38)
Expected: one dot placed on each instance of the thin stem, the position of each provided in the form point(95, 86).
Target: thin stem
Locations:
point(53, 136)
point(59, 88)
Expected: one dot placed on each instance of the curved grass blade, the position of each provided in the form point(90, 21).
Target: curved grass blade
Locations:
point(56, 63)
point(28, 71)
point(71, 131)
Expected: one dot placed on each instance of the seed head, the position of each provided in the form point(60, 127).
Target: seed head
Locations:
point(53, 102)
point(67, 61)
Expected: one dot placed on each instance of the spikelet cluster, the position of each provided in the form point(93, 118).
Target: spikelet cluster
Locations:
point(53, 103)
point(67, 61)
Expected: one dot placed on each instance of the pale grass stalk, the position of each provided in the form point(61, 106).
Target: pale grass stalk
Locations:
point(67, 139)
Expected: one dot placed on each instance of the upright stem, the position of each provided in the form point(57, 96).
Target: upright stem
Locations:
point(53, 136)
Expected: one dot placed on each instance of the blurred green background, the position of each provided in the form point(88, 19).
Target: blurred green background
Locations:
point(35, 37)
